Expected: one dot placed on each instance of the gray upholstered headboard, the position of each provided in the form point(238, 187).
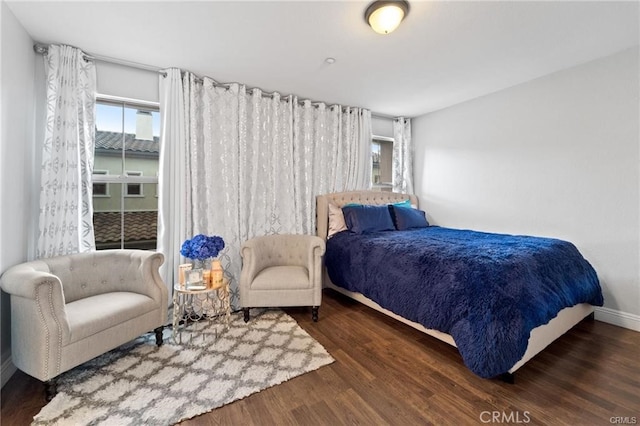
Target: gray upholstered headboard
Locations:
point(361, 197)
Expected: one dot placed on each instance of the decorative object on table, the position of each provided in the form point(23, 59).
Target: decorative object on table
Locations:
point(217, 274)
point(203, 249)
point(138, 383)
point(182, 272)
point(194, 279)
point(194, 306)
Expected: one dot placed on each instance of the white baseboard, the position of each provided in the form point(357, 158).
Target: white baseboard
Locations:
point(7, 370)
point(619, 318)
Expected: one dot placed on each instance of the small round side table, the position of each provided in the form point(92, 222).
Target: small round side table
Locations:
point(197, 309)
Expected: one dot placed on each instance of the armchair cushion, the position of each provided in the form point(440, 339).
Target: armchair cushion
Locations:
point(281, 278)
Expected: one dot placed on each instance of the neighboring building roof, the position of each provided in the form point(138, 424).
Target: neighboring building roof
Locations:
point(138, 226)
point(113, 141)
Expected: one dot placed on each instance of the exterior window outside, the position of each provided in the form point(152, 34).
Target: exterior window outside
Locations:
point(134, 189)
point(381, 163)
point(100, 189)
point(125, 179)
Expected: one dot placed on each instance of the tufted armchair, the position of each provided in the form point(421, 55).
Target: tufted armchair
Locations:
point(69, 309)
point(282, 270)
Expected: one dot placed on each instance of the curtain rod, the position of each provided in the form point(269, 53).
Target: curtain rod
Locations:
point(44, 48)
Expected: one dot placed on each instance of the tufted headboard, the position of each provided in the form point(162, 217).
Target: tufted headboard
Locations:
point(362, 197)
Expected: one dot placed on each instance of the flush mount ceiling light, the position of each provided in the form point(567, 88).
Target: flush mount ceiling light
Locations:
point(385, 16)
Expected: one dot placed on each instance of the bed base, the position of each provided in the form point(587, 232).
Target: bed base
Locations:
point(540, 337)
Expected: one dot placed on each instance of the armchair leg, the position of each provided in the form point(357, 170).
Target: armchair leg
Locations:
point(314, 313)
point(50, 389)
point(159, 339)
point(246, 314)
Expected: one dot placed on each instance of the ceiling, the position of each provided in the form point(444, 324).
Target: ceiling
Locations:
point(442, 54)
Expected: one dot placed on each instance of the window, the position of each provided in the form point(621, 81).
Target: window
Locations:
point(133, 189)
point(100, 189)
point(381, 163)
point(125, 178)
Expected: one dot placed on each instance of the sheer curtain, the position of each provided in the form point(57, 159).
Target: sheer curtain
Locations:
point(66, 213)
point(254, 164)
point(402, 156)
point(172, 178)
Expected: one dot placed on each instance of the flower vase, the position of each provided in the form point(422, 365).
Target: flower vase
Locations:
point(195, 278)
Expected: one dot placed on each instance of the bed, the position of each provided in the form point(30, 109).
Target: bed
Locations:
point(503, 350)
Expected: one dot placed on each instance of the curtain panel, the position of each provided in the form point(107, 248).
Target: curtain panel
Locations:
point(66, 213)
point(253, 164)
point(402, 169)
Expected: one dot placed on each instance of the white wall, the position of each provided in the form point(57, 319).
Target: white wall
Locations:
point(382, 126)
point(557, 156)
point(126, 82)
point(16, 155)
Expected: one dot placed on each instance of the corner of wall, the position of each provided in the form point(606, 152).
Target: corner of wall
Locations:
point(6, 370)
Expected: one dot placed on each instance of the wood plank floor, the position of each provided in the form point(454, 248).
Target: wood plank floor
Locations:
point(388, 373)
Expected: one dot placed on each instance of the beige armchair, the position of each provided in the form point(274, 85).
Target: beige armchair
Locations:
point(282, 270)
point(67, 310)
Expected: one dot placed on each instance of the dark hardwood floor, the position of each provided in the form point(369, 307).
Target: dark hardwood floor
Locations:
point(388, 373)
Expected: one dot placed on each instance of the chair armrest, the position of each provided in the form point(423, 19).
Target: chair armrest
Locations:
point(23, 280)
point(153, 285)
point(316, 249)
point(41, 297)
point(255, 257)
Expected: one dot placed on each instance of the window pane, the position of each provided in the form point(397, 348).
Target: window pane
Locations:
point(142, 140)
point(127, 150)
point(108, 148)
point(141, 220)
point(99, 189)
point(381, 164)
point(107, 228)
point(134, 189)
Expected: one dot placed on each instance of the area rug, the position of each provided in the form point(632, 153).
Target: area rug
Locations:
point(140, 383)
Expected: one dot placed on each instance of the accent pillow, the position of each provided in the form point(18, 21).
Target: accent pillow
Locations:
point(364, 219)
point(406, 203)
point(336, 220)
point(406, 218)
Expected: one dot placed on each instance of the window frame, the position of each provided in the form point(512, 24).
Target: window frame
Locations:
point(133, 176)
point(107, 192)
point(382, 186)
point(125, 178)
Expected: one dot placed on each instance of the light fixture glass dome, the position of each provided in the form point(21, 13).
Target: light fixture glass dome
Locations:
point(385, 16)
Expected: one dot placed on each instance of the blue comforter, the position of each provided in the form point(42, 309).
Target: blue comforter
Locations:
point(488, 291)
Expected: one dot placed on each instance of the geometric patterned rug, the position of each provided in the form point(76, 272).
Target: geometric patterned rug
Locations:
point(142, 384)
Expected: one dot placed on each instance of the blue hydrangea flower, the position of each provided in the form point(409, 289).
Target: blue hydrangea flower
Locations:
point(202, 247)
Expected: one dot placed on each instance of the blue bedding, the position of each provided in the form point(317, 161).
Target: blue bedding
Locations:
point(488, 291)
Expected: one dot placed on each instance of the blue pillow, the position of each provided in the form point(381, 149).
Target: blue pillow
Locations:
point(406, 218)
point(363, 219)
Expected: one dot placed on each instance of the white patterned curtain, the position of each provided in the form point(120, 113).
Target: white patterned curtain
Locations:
point(255, 162)
point(402, 156)
point(173, 206)
point(66, 213)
